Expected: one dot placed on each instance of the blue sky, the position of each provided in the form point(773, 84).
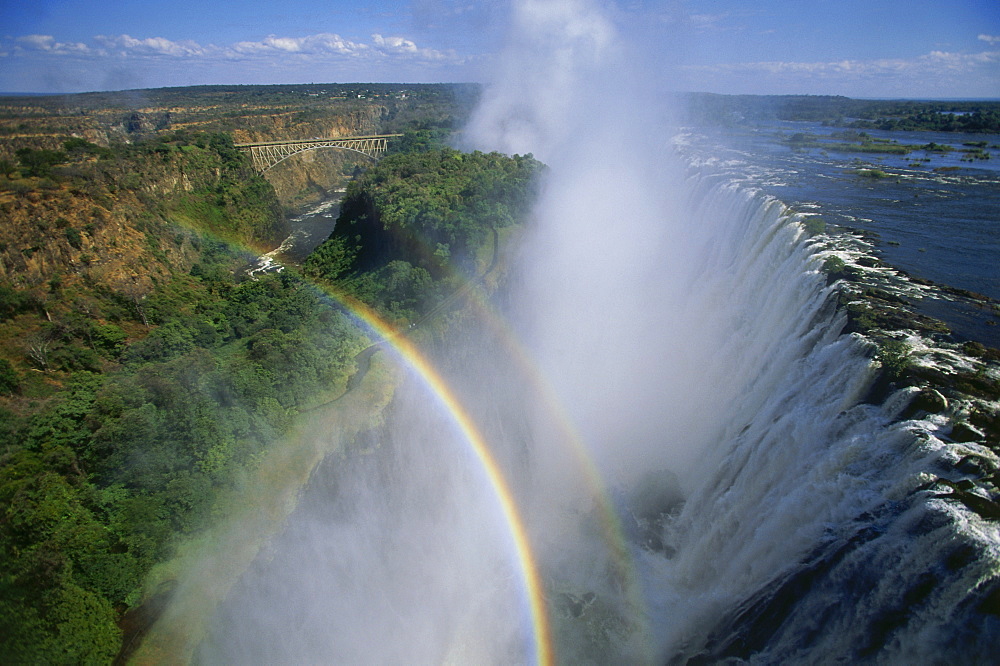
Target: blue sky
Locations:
point(859, 48)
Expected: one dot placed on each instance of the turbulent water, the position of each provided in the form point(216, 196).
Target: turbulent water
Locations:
point(803, 541)
point(666, 349)
point(770, 514)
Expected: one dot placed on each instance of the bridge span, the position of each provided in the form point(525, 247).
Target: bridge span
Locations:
point(266, 154)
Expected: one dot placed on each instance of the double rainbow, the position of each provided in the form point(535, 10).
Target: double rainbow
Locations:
point(623, 570)
point(544, 652)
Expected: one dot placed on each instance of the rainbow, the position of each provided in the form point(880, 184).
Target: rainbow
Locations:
point(569, 436)
point(544, 649)
point(620, 556)
point(608, 520)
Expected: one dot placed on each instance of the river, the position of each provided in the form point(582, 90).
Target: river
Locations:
point(308, 231)
point(932, 214)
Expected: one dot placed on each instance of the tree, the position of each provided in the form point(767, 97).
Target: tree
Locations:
point(7, 168)
point(9, 379)
point(38, 347)
point(39, 162)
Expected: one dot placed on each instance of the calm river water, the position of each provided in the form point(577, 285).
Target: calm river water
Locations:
point(935, 215)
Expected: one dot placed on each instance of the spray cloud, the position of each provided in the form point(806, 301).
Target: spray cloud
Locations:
point(689, 340)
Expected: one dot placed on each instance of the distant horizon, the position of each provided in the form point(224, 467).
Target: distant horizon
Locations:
point(463, 83)
point(892, 49)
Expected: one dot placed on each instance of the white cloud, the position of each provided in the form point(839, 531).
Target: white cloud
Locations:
point(37, 42)
point(704, 22)
point(30, 61)
point(990, 39)
point(48, 44)
point(324, 43)
point(152, 46)
point(399, 46)
point(394, 44)
point(917, 74)
point(319, 47)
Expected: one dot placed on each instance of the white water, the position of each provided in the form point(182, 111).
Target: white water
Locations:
point(687, 331)
point(685, 326)
point(398, 553)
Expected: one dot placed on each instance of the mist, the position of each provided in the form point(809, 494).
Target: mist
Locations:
point(621, 299)
point(661, 381)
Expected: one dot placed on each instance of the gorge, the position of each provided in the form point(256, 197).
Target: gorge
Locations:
point(709, 468)
point(619, 404)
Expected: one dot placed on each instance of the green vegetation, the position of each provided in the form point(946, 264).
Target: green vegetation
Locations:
point(930, 116)
point(814, 225)
point(99, 483)
point(143, 376)
point(410, 226)
point(892, 115)
point(873, 174)
point(853, 141)
point(847, 142)
point(894, 357)
point(39, 163)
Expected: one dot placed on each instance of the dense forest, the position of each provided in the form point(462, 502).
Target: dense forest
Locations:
point(139, 372)
point(417, 225)
point(909, 115)
point(144, 373)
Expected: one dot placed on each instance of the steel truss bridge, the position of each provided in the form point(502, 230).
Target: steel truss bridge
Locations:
point(268, 153)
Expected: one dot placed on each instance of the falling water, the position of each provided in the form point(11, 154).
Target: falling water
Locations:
point(761, 509)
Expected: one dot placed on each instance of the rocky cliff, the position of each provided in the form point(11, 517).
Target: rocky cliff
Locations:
point(132, 217)
point(316, 175)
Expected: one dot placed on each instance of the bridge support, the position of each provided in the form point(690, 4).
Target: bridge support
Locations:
point(266, 154)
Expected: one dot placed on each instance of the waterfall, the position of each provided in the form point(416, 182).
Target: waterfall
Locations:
point(804, 537)
point(769, 513)
point(684, 324)
point(688, 446)
point(791, 525)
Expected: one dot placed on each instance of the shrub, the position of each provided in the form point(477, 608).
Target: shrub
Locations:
point(110, 338)
point(39, 162)
point(815, 225)
point(894, 355)
point(10, 381)
point(74, 238)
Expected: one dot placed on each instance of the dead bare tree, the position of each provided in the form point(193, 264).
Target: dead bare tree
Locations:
point(38, 345)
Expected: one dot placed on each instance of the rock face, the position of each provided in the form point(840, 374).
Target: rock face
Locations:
point(313, 176)
point(75, 236)
point(310, 177)
point(126, 221)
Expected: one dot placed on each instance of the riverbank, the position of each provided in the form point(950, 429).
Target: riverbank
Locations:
point(307, 232)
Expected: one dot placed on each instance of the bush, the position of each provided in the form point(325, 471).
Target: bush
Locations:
point(874, 174)
point(39, 162)
point(815, 225)
point(74, 238)
point(12, 303)
point(834, 265)
point(894, 355)
point(110, 338)
point(10, 381)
